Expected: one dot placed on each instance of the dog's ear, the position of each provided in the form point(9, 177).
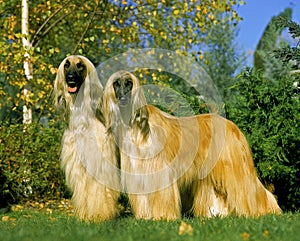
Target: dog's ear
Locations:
point(60, 98)
point(96, 95)
point(140, 120)
point(91, 91)
point(61, 104)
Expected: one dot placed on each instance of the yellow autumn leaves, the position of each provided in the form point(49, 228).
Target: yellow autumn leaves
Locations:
point(48, 207)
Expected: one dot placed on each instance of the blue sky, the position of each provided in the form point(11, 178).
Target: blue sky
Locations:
point(256, 14)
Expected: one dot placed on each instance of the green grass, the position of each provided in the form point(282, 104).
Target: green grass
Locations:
point(56, 225)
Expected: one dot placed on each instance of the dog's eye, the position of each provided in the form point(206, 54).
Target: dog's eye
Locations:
point(128, 83)
point(116, 83)
point(67, 64)
point(80, 66)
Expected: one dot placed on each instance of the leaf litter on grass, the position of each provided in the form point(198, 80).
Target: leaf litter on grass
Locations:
point(47, 207)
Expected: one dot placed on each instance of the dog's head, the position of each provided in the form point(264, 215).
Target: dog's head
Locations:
point(124, 100)
point(77, 85)
point(122, 87)
point(75, 72)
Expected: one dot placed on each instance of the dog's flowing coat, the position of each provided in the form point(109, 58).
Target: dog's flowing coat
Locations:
point(200, 165)
point(89, 154)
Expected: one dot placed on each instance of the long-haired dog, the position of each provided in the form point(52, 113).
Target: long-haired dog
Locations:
point(199, 165)
point(89, 155)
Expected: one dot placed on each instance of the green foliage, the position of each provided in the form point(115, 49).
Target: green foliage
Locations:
point(290, 54)
point(269, 42)
point(29, 163)
point(222, 57)
point(170, 93)
point(269, 112)
point(267, 109)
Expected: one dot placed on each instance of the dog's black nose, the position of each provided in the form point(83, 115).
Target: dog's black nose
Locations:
point(71, 79)
point(70, 76)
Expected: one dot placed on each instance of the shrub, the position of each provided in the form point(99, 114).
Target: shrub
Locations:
point(29, 163)
point(268, 111)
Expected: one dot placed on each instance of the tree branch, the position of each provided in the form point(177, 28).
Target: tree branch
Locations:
point(87, 27)
point(36, 35)
point(49, 28)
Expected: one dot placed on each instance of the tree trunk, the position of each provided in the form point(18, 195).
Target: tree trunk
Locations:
point(27, 113)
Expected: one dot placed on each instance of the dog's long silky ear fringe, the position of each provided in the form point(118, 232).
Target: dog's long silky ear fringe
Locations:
point(59, 89)
point(138, 99)
point(139, 111)
point(62, 99)
point(91, 98)
point(96, 94)
point(112, 112)
point(140, 124)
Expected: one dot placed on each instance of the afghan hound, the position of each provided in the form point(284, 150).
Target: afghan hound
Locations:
point(89, 156)
point(198, 166)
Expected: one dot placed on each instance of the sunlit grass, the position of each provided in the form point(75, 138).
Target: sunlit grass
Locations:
point(47, 224)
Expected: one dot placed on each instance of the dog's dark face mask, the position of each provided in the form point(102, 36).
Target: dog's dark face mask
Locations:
point(75, 74)
point(123, 87)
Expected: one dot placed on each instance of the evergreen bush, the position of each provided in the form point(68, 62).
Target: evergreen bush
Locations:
point(268, 112)
point(267, 109)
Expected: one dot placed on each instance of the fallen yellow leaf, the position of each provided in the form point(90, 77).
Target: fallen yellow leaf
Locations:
point(49, 210)
point(266, 233)
point(245, 236)
point(5, 218)
point(185, 228)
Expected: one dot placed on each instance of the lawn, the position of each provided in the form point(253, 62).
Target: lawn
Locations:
point(43, 224)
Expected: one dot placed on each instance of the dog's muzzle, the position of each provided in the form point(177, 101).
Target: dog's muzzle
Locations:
point(71, 80)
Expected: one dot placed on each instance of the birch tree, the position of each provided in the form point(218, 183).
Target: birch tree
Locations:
point(27, 112)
